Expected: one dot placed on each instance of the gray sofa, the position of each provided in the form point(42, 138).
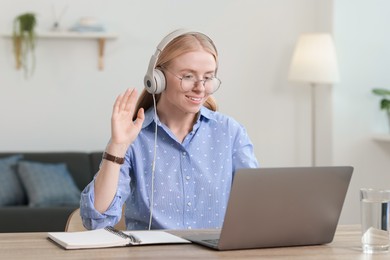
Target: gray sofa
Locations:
point(24, 218)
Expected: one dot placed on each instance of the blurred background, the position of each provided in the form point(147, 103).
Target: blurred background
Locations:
point(66, 104)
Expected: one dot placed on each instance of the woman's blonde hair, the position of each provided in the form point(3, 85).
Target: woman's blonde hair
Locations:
point(180, 45)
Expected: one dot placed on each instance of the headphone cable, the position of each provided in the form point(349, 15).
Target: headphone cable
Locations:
point(153, 164)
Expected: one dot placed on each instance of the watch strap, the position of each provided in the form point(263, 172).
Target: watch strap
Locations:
point(112, 158)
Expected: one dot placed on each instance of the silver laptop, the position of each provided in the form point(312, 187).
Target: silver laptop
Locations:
point(278, 207)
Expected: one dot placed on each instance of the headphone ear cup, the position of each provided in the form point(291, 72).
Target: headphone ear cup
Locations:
point(155, 83)
point(160, 81)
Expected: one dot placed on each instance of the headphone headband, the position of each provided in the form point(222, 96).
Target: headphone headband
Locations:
point(170, 37)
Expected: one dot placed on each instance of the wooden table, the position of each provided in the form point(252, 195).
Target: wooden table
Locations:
point(346, 245)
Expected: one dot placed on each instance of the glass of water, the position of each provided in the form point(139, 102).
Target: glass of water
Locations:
point(375, 214)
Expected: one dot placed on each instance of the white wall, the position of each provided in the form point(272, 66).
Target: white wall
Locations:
point(363, 41)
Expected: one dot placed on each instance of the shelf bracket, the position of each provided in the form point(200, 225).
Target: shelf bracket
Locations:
point(101, 42)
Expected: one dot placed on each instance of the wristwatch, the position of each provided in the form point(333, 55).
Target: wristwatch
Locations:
point(112, 158)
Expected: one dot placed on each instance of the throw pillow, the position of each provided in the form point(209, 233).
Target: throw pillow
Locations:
point(48, 184)
point(11, 189)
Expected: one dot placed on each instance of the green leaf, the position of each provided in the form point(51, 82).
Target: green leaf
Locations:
point(385, 104)
point(381, 91)
point(24, 41)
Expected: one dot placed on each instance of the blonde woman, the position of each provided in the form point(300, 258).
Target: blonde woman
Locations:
point(172, 164)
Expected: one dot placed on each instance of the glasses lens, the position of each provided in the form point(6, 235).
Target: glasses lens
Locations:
point(210, 85)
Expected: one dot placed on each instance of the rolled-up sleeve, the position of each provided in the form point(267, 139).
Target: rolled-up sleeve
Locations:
point(93, 219)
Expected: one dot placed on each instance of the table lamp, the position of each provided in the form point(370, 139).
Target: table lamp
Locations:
point(314, 62)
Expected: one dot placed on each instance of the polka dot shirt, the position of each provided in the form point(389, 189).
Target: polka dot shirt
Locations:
point(192, 179)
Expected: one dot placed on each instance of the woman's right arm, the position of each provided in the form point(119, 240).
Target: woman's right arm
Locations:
point(123, 132)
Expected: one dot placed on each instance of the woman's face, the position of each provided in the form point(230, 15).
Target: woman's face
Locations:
point(184, 94)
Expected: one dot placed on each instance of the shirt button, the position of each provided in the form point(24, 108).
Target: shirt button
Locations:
point(188, 177)
point(189, 204)
point(184, 153)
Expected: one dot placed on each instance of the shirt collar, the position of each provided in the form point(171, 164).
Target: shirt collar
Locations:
point(205, 113)
point(149, 117)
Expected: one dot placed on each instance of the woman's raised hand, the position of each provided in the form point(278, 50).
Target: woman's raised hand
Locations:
point(123, 129)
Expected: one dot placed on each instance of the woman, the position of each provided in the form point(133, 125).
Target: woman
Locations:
point(197, 149)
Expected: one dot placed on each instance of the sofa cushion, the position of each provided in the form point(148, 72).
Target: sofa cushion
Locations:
point(11, 189)
point(48, 184)
point(78, 164)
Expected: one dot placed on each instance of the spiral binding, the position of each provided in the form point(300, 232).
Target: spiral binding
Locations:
point(115, 231)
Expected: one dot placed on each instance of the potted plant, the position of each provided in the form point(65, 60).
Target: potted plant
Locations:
point(24, 42)
point(385, 101)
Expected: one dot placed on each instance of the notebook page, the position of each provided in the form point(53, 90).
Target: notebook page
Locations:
point(156, 237)
point(88, 239)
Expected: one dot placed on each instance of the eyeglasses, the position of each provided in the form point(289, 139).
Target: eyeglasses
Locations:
point(211, 84)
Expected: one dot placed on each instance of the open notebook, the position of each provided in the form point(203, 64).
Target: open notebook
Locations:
point(110, 237)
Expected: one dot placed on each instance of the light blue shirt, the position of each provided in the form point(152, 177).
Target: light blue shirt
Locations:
point(192, 179)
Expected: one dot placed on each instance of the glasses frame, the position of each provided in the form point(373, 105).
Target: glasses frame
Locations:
point(195, 82)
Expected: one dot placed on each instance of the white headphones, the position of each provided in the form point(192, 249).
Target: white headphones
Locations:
point(154, 80)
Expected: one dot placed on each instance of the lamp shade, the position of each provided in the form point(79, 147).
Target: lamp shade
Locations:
point(314, 60)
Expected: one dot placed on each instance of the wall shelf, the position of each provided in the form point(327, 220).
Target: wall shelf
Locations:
point(100, 37)
point(381, 137)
